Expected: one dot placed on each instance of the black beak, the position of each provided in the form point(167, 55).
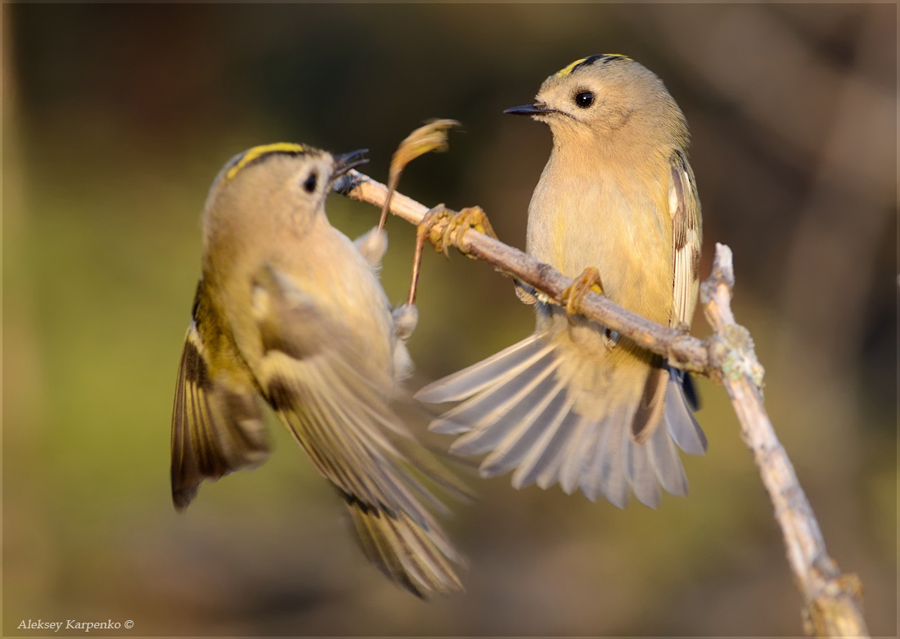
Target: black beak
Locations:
point(347, 161)
point(530, 109)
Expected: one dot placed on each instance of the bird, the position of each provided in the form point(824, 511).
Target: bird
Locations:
point(616, 208)
point(290, 312)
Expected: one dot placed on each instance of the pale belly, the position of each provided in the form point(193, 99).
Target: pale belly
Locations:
point(349, 292)
point(627, 239)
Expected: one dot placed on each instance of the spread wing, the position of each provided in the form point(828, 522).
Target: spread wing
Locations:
point(338, 407)
point(217, 427)
point(684, 205)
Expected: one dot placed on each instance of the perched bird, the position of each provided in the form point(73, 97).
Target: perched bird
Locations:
point(290, 310)
point(616, 203)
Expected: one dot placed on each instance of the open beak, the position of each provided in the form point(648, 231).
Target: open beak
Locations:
point(347, 161)
point(530, 109)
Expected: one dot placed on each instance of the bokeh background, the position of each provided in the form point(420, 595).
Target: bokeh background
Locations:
point(115, 121)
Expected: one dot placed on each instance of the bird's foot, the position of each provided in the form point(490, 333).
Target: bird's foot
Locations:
point(573, 294)
point(444, 228)
point(406, 318)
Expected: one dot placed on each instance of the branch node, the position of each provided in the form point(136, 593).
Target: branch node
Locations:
point(731, 356)
point(834, 611)
point(681, 350)
point(723, 267)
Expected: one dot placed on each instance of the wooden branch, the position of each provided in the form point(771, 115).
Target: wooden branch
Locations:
point(833, 601)
point(682, 350)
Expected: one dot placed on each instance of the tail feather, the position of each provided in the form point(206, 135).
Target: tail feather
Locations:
point(541, 465)
point(416, 558)
point(575, 456)
point(524, 408)
point(484, 374)
point(591, 479)
point(680, 419)
point(667, 464)
point(596, 475)
point(377, 540)
point(641, 474)
point(690, 392)
point(649, 411)
point(488, 406)
point(494, 427)
point(615, 481)
point(428, 560)
point(511, 451)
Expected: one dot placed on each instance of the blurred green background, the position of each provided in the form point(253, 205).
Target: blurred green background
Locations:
point(117, 118)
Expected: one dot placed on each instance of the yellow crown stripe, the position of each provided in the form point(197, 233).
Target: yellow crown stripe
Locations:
point(567, 70)
point(606, 57)
point(258, 151)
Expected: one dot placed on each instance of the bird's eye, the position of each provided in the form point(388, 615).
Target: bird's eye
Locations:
point(310, 183)
point(584, 99)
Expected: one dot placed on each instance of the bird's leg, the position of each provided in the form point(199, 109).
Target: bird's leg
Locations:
point(571, 297)
point(423, 234)
point(406, 317)
point(442, 228)
point(431, 137)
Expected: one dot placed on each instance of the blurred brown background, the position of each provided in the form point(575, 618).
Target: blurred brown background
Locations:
point(116, 120)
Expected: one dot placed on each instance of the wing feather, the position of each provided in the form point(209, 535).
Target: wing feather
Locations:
point(341, 411)
point(217, 428)
point(684, 205)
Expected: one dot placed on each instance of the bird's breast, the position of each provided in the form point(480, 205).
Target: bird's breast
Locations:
point(332, 271)
point(613, 219)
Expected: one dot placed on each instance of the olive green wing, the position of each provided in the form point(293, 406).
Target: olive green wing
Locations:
point(216, 427)
point(339, 409)
point(684, 208)
point(684, 205)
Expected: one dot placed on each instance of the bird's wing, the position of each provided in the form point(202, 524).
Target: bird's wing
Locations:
point(323, 387)
point(684, 205)
point(216, 427)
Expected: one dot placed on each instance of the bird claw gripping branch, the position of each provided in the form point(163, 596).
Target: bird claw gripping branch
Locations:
point(571, 297)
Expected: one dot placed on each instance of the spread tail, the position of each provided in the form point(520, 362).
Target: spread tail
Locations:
point(521, 406)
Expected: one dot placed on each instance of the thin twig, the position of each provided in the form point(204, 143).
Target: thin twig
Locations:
point(684, 351)
point(833, 601)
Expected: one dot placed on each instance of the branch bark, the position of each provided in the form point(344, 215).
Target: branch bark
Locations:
point(833, 601)
point(682, 350)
